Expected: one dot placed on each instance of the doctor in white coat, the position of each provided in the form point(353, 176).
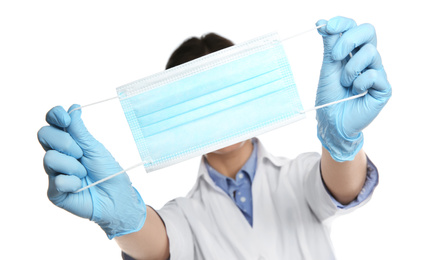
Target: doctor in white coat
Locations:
point(246, 203)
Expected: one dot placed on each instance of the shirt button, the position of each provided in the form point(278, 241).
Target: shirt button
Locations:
point(243, 199)
point(241, 175)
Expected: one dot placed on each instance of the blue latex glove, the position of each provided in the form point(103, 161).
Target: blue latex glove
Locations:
point(74, 159)
point(340, 126)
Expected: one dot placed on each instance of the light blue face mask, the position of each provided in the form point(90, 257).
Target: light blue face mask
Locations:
point(209, 103)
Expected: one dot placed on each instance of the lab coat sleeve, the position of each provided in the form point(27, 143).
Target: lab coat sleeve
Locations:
point(321, 202)
point(370, 184)
point(178, 231)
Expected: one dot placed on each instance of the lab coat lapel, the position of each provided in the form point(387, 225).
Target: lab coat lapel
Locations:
point(270, 226)
point(230, 222)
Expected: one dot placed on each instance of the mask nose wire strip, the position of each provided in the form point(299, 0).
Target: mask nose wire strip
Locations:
point(143, 162)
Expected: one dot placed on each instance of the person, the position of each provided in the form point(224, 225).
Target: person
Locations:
point(246, 203)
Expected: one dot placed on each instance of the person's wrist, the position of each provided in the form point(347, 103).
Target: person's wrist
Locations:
point(340, 146)
point(128, 218)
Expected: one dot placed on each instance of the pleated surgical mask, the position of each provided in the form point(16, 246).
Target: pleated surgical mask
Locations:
point(211, 102)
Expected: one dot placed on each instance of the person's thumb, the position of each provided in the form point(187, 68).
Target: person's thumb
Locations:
point(329, 41)
point(331, 31)
point(79, 132)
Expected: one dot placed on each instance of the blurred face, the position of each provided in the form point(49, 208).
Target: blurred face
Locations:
point(230, 148)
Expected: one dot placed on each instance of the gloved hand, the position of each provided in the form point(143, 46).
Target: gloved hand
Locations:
point(340, 126)
point(74, 159)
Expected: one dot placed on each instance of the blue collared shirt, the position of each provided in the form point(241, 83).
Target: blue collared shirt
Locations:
point(240, 191)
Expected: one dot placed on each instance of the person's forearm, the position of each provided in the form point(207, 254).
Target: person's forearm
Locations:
point(151, 242)
point(344, 179)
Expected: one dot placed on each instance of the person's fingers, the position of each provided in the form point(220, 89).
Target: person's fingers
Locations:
point(376, 83)
point(52, 138)
point(331, 34)
point(366, 58)
point(57, 116)
point(79, 132)
point(67, 183)
point(58, 163)
point(339, 25)
point(352, 39)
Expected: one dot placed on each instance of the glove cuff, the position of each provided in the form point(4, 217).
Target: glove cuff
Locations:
point(125, 219)
point(340, 147)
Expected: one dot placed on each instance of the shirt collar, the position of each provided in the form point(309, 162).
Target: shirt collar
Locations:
point(261, 155)
point(248, 168)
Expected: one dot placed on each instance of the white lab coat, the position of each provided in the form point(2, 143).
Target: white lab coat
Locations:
point(291, 215)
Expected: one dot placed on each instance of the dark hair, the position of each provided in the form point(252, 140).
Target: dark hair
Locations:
point(194, 48)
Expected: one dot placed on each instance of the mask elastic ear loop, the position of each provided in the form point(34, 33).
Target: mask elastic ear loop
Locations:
point(91, 104)
point(304, 32)
point(333, 103)
point(143, 162)
point(109, 177)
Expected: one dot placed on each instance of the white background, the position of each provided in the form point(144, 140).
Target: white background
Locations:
point(60, 53)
